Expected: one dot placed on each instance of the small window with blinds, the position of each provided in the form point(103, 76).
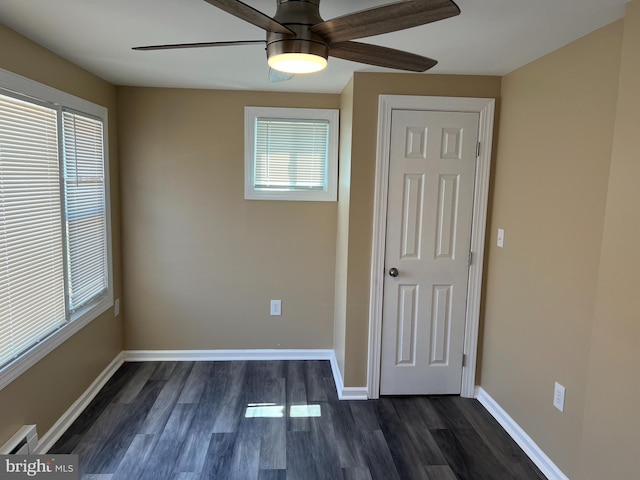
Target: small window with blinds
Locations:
point(291, 154)
point(54, 227)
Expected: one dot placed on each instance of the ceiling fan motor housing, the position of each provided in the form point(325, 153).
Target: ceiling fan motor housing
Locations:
point(300, 41)
point(298, 16)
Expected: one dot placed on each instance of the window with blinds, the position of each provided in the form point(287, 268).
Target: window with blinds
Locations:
point(32, 303)
point(54, 259)
point(85, 209)
point(291, 154)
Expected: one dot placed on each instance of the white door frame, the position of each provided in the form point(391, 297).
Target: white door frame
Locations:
point(387, 103)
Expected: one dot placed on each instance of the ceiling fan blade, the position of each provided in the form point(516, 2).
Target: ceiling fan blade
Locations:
point(385, 19)
point(201, 44)
point(250, 14)
point(381, 56)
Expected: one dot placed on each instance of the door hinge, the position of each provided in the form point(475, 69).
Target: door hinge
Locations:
point(477, 149)
point(470, 257)
point(464, 360)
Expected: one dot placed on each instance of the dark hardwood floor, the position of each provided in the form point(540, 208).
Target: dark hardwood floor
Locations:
point(279, 420)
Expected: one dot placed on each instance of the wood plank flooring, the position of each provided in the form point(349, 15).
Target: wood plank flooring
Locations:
point(279, 420)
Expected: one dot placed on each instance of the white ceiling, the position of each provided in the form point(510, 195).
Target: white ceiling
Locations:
point(490, 37)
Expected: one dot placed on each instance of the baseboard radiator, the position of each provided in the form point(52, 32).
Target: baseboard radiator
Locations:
point(23, 442)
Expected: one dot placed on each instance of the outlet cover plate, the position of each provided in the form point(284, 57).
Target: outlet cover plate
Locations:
point(276, 308)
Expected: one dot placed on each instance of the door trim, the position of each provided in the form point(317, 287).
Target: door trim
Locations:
point(387, 103)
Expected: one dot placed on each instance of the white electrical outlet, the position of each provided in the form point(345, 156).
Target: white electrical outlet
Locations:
point(501, 237)
point(276, 308)
point(558, 397)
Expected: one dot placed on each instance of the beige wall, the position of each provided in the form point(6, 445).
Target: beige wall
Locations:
point(549, 195)
point(342, 237)
point(367, 87)
point(612, 418)
point(201, 263)
point(42, 394)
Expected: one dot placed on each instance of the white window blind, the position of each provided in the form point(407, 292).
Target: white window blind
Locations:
point(291, 154)
point(85, 209)
point(31, 255)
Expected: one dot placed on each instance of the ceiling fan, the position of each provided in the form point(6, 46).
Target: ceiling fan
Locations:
point(300, 41)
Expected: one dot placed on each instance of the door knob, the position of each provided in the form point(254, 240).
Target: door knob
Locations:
point(394, 272)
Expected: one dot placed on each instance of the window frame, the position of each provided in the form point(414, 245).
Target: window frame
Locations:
point(20, 87)
point(251, 114)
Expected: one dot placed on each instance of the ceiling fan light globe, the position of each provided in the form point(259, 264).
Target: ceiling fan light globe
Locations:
point(297, 62)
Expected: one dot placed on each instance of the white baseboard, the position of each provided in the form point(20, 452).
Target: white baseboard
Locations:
point(531, 448)
point(64, 422)
point(337, 374)
point(344, 393)
point(224, 355)
point(354, 393)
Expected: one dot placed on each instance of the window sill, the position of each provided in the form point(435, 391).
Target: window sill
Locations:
point(293, 196)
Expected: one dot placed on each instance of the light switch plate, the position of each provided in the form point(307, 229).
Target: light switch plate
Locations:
point(558, 397)
point(501, 237)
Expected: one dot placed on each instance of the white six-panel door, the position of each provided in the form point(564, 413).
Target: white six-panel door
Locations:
point(430, 206)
